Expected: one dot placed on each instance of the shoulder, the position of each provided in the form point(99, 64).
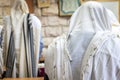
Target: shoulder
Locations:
point(109, 50)
point(35, 20)
point(58, 41)
point(60, 38)
point(112, 47)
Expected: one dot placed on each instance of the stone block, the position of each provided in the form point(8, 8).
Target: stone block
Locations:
point(63, 21)
point(43, 32)
point(53, 20)
point(53, 1)
point(6, 11)
point(1, 11)
point(12, 2)
point(53, 31)
point(1, 21)
point(56, 20)
point(37, 11)
point(5, 2)
point(44, 21)
point(52, 10)
point(65, 29)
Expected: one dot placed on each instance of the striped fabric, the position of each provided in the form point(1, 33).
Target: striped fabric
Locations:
point(31, 47)
point(25, 49)
point(30, 40)
point(10, 57)
point(1, 51)
point(22, 65)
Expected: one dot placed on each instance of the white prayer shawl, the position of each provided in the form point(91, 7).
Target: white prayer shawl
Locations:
point(87, 20)
point(20, 67)
point(14, 22)
point(102, 59)
point(57, 60)
point(1, 53)
point(113, 20)
point(1, 61)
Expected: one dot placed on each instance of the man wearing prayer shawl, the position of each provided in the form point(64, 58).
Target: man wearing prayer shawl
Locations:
point(90, 50)
point(21, 41)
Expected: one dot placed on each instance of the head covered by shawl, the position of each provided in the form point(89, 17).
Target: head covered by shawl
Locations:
point(114, 21)
point(20, 5)
point(19, 9)
point(90, 18)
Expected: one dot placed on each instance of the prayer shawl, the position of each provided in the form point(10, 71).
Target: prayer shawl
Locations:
point(23, 65)
point(88, 20)
point(57, 60)
point(1, 51)
point(10, 57)
point(102, 58)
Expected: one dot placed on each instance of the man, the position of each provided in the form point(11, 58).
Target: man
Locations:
point(91, 49)
point(22, 32)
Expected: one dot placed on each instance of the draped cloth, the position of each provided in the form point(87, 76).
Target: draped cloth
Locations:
point(57, 60)
point(101, 59)
point(87, 20)
point(10, 57)
point(91, 19)
point(1, 51)
point(30, 42)
point(25, 58)
point(20, 66)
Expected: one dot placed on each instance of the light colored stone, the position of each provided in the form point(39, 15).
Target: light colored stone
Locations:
point(53, 1)
point(56, 20)
point(6, 11)
point(65, 29)
point(1, 10)
point(63, 21)
point(52, 10)
point(4, 2)
point(44, 21)
point(12, 2)
point(37, 11)
point(43, 32)
point(1, 21)
point(68, 20)
point(47, 41)
point(53, 20)
point(53, 31)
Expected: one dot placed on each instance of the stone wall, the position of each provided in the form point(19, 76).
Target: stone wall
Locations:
point(4, 9)
point(52, 24)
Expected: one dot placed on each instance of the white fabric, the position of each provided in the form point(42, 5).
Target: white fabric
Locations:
point(1, 53)
point(1, 61)
point(20, 59)
point(90, 15)
point(102, 58)
point(88, 20)
point(113, 19)
point(14, 22)
point(57, 60)
point(20, 67)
